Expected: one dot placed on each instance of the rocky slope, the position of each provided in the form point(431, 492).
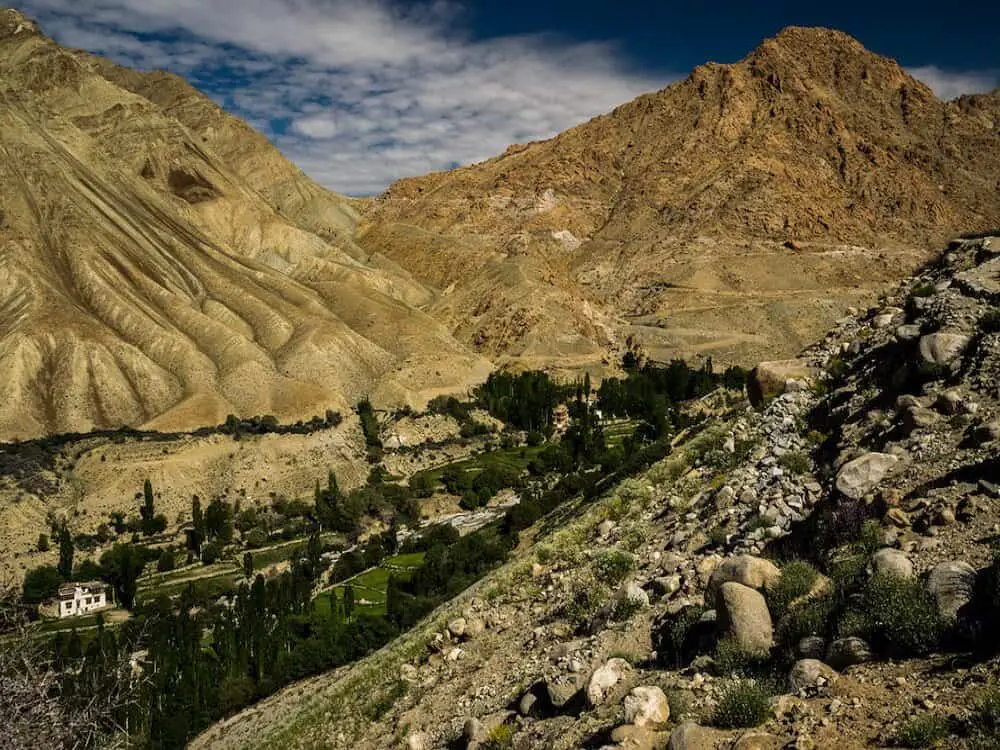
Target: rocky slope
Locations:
point(163, 265)
point(878, 465)
point(735, 213)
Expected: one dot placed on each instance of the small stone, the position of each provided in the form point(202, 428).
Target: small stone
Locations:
point(647, 706)
point(691, 736)
point(945, 517)
point(810, 674)
point(417, 741)
point(898, 517)
point(604, 679)
point(605, 527)
point(527, 704)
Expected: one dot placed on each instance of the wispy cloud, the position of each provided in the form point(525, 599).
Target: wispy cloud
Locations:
point(950, 84)
point(359, 92)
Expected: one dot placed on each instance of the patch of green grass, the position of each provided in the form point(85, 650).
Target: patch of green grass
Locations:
point(743, 704)
point(926, 730)
point(409, 560)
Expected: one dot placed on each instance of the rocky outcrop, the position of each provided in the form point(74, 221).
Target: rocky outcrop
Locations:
point(862, 475)
point(744, 617)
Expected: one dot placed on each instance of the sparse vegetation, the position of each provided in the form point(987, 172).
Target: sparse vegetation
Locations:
point(897, 616)
point(926, 730)
point(797, 579)
point(613, 567)
point(743, 703)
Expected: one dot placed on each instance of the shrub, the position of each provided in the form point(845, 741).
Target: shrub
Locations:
point(986, 716)
point(499, 738)
point(166, 561)
point(743, 703)
point(677, 638)
point(43, 542)
point(613, 567)
point(732, 659)
point(797, 579)
point(584, 605)
point(797, 462)
point(41, 583)
point(923, 290)
point(898, 617)
point(810, 618)
point(210, 553)
point(923, 731)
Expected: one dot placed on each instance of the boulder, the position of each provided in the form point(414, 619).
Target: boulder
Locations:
point(889, 561)
point(526, 706)
point(744, 617)
point(604, 679)
point(605, 527)
point(632, 595)
point(859, 477)
point(846, 652)
point(811, 647)
point(562, 689)
point(950, 402)
point(691, 736)
point(647, 706)
point(456, 627)
point(770, 379)
point(952, 584)
point(418, 741)
point(635, 738)
point(941, 349)
point(810, 674)
point(755, 572)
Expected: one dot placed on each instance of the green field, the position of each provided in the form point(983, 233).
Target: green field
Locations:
point(371, 585)
point(506, 458)
point(616, 430)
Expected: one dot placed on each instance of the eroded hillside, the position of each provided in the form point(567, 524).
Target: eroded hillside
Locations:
point(163, 265)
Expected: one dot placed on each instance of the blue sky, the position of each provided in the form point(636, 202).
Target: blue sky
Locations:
point(361, 92)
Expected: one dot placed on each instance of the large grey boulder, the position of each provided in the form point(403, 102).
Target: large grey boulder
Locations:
point(859, 477)
point(952, 584)
point(744, 617)
point(755, 572)
point(942, 349)
point(846, 652)
point(604, 678)
point(647, 706)
point(889, 561)
point(810, 674)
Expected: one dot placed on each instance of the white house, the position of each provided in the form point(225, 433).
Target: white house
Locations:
point(80, 598)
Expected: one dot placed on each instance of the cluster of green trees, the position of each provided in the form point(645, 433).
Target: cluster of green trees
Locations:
point(369, 425)
point(524, 400)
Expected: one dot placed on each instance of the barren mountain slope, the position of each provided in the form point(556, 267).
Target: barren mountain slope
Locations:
point(669, 217)
point(143, 280)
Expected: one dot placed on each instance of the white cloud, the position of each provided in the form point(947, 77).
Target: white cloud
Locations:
point(948, 85)
point(360, 92)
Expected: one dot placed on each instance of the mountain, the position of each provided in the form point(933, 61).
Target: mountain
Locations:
point(736, 213)
point(163, 265)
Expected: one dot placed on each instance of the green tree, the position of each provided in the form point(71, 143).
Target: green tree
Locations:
point(41, 583)
point(247, 565)
point(123, 564)
point(43, 542)
point(65, 553)
point(348, 601)
point(166, 561)
point(219, 521)
point(147, 512)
